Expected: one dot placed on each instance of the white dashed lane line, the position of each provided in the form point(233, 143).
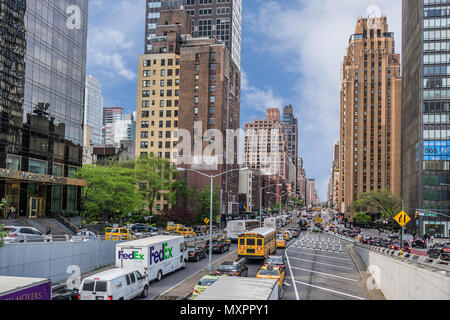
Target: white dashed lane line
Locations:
point(321, 263)
point(329, 290)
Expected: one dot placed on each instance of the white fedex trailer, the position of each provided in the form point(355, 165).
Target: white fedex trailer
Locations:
point(155, 256)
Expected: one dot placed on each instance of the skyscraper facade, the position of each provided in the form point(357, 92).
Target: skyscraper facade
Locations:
point(93, 110)
point(43, 126)
point(219, 19)
point(426, 115)
point(110, 116)
point(291, 133)
point(370, 125)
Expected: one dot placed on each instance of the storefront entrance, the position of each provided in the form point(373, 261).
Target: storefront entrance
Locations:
point(36, 208)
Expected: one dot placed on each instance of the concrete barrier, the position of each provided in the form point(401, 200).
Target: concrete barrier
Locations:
point(51, 259)
point(399, 280)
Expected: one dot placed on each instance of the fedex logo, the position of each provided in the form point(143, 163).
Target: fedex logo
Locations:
point(135, 255)
point(157, 256)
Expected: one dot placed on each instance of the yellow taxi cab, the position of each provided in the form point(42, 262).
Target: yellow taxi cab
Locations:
point(174, 227)
point(187, 232)
point(281, 243)
point(119, 234)
point(287, 236)
point(270, 272)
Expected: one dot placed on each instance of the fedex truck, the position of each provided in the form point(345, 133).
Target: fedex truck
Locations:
point(155, 256)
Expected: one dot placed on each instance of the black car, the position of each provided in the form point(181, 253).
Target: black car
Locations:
point(440, 250)
point(219, 246)
point(234, 269)
point(376, 242)
point(276, 261)
point(365, 240)
point(143, 228)
point(197, 253)
point(419, 242)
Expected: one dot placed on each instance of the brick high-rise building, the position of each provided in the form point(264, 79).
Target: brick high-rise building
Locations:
point(291, 133)
point(265, 145)
point(210, 98)
point(370, 125)
point(221, 20)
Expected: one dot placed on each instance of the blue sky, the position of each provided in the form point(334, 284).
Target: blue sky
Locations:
point(291, 54)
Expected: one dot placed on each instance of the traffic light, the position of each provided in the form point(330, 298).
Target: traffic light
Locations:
point(417, 214)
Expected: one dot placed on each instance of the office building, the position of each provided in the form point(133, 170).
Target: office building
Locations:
point(93, 111)
point(221, 20)
point(425, 116)
point(266, 147)
point(291, 133)
point(370, 120)
point(42, 109)
point(110, 116)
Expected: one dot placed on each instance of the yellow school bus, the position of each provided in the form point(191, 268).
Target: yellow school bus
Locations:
point(257, 244)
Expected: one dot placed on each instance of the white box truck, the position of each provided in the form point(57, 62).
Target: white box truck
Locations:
point(238, 288)
point(155, 256)
point(20, 288)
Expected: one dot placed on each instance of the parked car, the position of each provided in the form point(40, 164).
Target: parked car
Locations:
point(419, 242)
point(84, 235)
point(196, 253)
point(394, 236)
point(20, 234)
point(114, 284)
point(204, 283)
point(440, 250)
point(235, 269)
point(276, 261)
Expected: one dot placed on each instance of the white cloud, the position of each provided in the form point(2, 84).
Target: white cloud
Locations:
point(113, 43)
point(256, 98)
point(310, 38)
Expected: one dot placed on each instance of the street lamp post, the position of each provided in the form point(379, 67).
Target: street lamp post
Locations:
point(281, 196)
point(211, 177)
point(260, 201)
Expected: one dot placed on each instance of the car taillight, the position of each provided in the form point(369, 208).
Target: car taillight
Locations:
point(196, 291)
point(79, 297)
point(110, 298)
point(12, 235)
point(218, 246)
point(283, 266)
point(446, 250)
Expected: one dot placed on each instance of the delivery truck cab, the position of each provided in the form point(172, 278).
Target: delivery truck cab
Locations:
point(155, 257)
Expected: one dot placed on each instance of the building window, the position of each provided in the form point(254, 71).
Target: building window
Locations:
point(13, 162)
point(37, 166)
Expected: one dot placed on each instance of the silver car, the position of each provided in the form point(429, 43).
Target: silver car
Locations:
point(23, 234)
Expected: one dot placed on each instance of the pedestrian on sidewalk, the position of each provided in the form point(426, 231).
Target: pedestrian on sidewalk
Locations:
point(431, 239)
point(11, 212)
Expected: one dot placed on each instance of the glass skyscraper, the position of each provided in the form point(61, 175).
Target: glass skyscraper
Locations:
point(426, 115)
point(42, 133)
point(93, 111)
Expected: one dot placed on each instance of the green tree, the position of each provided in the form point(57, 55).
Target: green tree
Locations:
point(384, 201)
point(110, 190)
point(156, 177)
point(202, 204)
point(362, 218)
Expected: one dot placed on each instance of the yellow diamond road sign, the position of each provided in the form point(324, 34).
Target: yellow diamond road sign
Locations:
point(402, 218)
point(206, 220)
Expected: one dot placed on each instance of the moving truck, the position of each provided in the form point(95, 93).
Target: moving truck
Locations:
point(238, 288)
point(18, 288)
point(155, 257)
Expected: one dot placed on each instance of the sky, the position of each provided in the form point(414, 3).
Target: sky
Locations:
point(292, 51)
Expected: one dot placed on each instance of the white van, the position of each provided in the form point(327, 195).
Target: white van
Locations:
point(114, 284)
point(155, 256)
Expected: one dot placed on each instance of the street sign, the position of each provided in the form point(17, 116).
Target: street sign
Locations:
point(402, 219)
point(206, 220)
point(427, 214)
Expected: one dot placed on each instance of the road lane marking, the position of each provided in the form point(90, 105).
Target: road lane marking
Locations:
point(173, 287)
point(326, 264)
point(325, 274)
point(334, 291)
point(321, 255)
point(290, 270)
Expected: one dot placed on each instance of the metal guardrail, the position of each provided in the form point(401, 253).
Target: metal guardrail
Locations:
point(68, 238)
point(436, 265)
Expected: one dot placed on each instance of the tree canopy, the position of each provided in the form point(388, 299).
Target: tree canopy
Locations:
point(384, 201)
